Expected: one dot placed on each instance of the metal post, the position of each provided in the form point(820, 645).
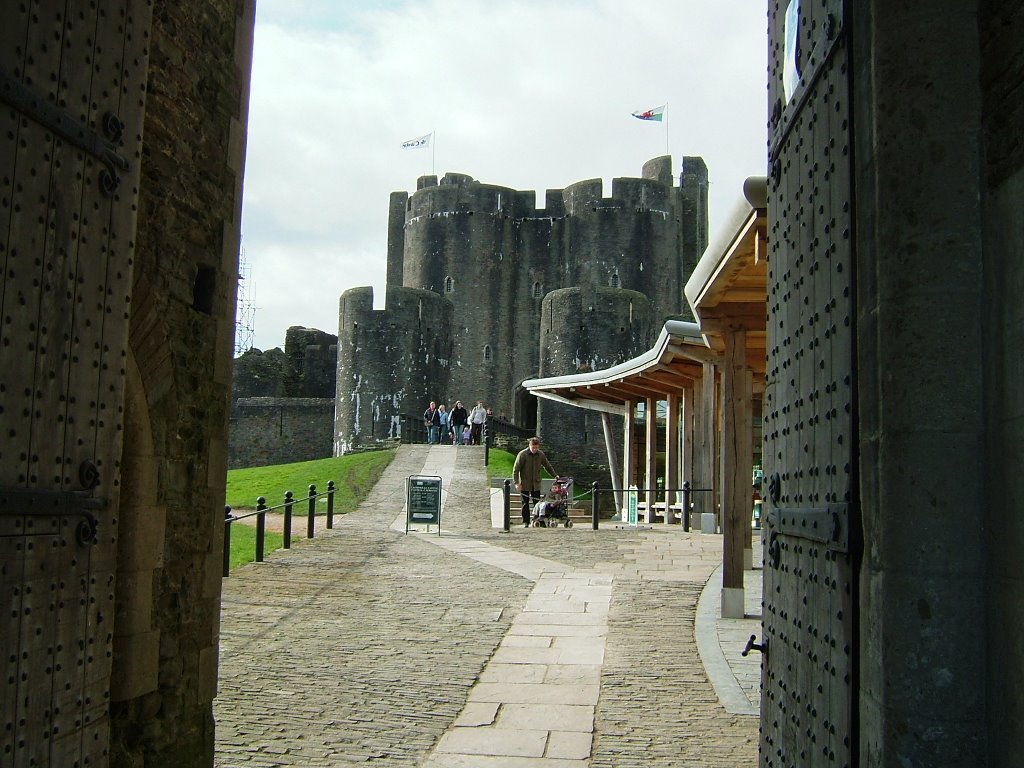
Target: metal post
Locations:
point(686, 506)
point(487, 444)
point(593, 505)
point(507, 503)
point(227, 540)
point(261, 527)
point(330, 503)
point(312, 512)
point(288, 501)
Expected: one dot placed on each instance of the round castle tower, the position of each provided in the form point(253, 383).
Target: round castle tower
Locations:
point(588, 330)
point(411, 336)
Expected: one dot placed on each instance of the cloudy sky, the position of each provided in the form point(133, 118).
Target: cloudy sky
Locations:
point(528, 94)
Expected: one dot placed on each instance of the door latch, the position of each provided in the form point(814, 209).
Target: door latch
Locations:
point(752, 646)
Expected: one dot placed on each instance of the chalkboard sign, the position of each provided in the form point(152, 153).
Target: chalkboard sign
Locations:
point(423, 501)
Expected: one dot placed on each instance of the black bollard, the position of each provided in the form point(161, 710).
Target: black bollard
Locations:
point(686, 506)
point(507, 504)
point(261, 527)
point(312, 512)
point(593, 505)
point(330, 503)
point(288, 502)
point(227, 540)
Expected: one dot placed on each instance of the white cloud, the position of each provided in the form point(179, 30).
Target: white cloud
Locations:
point(526, 94)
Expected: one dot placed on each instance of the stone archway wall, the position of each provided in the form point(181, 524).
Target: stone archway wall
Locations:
point(181, 338)
point(140, 551)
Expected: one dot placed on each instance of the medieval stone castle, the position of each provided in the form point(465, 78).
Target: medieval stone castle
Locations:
point(485, 290)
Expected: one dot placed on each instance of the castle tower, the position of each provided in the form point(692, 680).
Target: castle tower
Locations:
point(587, 329)
point(312, 362)
point(492, 256)
point(390, 362)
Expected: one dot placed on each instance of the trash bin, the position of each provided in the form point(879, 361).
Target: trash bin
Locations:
point(707, 522)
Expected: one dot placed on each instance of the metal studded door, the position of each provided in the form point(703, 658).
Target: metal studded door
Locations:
point(72, 84)
point(808, 699)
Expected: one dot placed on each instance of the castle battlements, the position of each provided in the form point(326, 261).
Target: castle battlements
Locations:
point(485, 290)
point(460, 194)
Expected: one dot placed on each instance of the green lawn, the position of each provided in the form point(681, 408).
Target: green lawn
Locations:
point(499, 463)
point(243, 544)
point(353, 475)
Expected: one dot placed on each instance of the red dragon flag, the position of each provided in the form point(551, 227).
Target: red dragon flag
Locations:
point(657, 114)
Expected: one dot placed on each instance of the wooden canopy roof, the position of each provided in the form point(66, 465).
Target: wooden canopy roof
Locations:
point(727, 292)
point(678, 354)
point(728, 287)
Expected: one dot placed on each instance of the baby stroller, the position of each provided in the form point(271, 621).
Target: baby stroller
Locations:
point(554, 507)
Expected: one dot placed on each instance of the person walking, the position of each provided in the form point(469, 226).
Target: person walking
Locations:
point(459, 419)
point(526, 475)
point(432, 421)
point(477, 417)
point(446, 424)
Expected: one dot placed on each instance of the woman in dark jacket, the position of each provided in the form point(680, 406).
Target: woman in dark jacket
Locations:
point(459, 417)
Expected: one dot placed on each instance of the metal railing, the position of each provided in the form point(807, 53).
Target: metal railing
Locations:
point(687, 501)
point(260, 513)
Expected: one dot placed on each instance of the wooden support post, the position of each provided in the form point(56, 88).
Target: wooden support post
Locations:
point(650, 455)
point(673, 482)
point(689, 429)
point(737, 465)
point(628, 454)
point(613, 458)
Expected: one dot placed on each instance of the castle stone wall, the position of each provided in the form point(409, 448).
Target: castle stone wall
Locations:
point(280, 430)
point(181, 333)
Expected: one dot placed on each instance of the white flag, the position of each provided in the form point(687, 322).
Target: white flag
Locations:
point(417, 143)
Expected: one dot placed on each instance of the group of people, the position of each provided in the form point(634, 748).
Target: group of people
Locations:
point(455, 426)
point(458, 425)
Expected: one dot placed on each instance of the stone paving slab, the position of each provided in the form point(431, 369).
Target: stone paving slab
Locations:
point(368, 645)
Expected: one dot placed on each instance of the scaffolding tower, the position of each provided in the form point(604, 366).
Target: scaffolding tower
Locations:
point(245, 310)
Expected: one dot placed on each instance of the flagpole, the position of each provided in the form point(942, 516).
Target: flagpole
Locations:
point(666, 129)
point(433, 149)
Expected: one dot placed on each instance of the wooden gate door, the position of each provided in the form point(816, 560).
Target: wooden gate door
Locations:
point(809, 680)
point(72, 81)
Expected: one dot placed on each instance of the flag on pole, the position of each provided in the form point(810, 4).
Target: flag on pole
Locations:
point(657, 113)
point(420, 142)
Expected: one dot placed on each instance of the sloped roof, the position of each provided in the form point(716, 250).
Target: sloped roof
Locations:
point(679, 353)
point(727, 292)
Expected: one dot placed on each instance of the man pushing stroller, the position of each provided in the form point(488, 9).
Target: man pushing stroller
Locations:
point(526, 475)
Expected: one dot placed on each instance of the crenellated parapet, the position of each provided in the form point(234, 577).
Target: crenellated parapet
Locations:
point(489, 263)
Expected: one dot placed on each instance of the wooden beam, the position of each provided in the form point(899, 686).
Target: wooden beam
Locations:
point(761, 247)
point(740, 316)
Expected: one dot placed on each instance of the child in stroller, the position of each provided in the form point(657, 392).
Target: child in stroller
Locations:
point(554, 507)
